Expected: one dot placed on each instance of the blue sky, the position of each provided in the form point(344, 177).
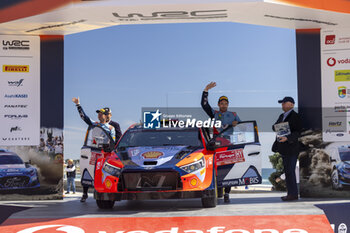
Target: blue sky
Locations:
point(133, 66)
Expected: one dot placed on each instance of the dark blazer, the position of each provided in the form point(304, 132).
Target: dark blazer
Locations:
point(291, 146)
point(118, 132)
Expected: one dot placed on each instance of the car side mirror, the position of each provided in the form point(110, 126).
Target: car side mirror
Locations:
point(107, 148)
point(212, 144)
point(28, 163)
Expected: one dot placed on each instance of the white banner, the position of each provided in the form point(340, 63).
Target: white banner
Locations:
point(335, 67)
point(82, 16)
point(19, 90)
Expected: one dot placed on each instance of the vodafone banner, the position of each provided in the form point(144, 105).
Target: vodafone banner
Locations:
point(204, 224)
point(19, 90)
point(335, 68)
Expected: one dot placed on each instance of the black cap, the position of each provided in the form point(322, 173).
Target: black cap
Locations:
point(287, 99)
point(105, 111)
point(223, 98)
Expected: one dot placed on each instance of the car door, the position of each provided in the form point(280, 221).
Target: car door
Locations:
point(237, 155)
point(97, 141)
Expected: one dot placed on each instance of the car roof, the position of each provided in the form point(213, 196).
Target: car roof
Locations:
point(344, 148)
point(7, 152)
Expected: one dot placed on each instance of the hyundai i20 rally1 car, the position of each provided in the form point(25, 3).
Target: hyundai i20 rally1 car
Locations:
point(170, 163)
point(15, 174)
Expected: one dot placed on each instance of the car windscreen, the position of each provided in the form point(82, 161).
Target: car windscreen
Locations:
point(345, 156)
point(10, 159)
point(160, 138)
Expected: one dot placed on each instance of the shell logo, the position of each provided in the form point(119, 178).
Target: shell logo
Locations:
point(108, 184)
point(152, 154)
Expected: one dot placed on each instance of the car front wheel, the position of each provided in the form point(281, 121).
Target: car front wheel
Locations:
point(211, 201)
point(335, 180)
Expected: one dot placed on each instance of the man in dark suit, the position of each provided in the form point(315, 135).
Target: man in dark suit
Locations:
point(288, 146)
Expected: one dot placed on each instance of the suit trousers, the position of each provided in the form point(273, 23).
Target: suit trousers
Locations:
point(289, 163)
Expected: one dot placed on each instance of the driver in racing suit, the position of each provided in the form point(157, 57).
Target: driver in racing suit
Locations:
point(102, 117)
point(227, 118)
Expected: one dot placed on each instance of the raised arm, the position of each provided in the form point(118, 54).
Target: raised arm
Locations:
point(205, 103)
point(82, 114)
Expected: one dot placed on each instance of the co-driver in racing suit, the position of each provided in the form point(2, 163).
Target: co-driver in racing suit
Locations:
point(226, 118)
point(102, 117)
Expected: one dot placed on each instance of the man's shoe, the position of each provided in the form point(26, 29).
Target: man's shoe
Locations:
point(73, 192)
point(66, 193)
point(83, 198)
point(226, 198)
point(289, 198)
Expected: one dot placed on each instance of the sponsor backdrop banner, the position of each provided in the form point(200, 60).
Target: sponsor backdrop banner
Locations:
point(31, 169)
point(20, 90)
point(335, 66)
point(324, 165)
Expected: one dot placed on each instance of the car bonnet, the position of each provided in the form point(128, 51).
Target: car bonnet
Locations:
point(161, 154)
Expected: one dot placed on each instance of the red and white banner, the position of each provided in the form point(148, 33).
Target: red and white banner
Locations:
point(204, 224)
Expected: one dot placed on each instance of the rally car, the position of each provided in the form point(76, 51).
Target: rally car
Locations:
point(340, 161)
point(170, 163)
point(15, 174)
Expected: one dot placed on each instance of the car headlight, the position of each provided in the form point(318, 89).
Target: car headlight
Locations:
point(192, 167)
point(112, 170)
point(30, 172)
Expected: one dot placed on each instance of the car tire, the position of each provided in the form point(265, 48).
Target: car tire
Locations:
point(336, 185)
point(103, 204)
point(211, 201)
point(220, 192)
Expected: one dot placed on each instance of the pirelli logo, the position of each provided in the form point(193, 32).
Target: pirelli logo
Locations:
point(15, 68)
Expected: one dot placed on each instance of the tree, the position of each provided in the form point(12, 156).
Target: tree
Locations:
point(277, 163)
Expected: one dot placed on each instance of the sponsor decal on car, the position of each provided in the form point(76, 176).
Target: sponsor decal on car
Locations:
point(229, 157)
point(152, 154)
point(94, 157)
